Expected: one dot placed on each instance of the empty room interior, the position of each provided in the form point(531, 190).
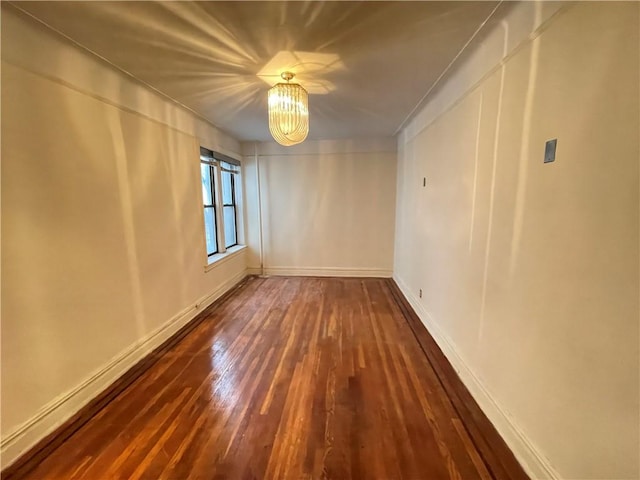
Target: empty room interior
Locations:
point(320, 240)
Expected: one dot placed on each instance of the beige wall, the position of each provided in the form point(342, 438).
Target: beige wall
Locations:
point(103, 249)
point(530, 271)
point(327, 207)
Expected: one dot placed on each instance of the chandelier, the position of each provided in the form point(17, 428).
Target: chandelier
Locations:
point(288, 112)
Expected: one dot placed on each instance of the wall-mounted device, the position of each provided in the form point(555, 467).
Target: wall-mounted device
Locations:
point(550, 150)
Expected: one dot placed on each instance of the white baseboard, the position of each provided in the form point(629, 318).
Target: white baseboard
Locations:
point(534, 463)
point(322, 272)
point(60, 409)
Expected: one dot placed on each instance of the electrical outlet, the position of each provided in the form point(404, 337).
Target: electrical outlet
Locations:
point(420, 294)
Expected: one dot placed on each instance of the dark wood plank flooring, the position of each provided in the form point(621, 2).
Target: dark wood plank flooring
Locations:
point(292, 378)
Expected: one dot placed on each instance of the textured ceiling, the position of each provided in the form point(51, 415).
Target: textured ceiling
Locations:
point(366, 64)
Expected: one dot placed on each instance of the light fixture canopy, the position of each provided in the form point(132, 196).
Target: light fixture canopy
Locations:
point(288, 112)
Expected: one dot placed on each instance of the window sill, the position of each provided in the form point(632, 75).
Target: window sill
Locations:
point(219, 258)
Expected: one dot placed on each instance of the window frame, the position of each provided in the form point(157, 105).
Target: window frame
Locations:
point(211, 169)
point(234, 204)
point(214, 161)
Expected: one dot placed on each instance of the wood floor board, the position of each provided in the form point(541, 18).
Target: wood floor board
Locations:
point(289, 378)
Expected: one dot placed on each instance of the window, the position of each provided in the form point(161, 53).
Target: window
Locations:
point(208, 176)
point(229, 204)
point(218, 174)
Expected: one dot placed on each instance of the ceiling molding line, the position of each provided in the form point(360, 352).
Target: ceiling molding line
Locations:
point(122, 70)
point(327, 154)
point(504, 61)
point(106, 101)
point(422, 101)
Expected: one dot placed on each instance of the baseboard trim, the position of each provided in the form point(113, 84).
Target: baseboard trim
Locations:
point(532, 461)
point(323, 272)
point(23, 448)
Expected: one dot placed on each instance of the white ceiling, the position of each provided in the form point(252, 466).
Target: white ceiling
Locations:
point(366, 64)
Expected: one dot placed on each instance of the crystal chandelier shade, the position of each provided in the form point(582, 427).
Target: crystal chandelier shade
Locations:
point(288, 112)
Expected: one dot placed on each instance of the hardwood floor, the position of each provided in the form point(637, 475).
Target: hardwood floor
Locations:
point(286, 378)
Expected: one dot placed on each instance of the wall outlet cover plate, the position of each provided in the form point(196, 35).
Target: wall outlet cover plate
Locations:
point(550, 150)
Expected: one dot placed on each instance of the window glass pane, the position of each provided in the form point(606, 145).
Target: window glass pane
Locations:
point(229, 166)
point(230, 226)
point(206, 184)
point(227, 193)
point(210, 230)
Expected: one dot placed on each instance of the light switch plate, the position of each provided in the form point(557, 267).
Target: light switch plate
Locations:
point(550, 150)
